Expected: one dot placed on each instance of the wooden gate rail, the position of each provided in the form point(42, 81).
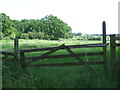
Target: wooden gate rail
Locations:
point(6, 54)
point(64, 56)
point(118, 44)
point(70, 46)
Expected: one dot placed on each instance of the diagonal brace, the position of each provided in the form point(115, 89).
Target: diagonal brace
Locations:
point(78, 59)
point(46, 54)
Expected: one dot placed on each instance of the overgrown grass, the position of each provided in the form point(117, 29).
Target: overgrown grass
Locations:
point(57, 77)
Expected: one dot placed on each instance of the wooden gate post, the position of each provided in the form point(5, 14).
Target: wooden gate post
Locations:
point(113, 52)
point(105, 47)
point(16, 48)
point(22, 59)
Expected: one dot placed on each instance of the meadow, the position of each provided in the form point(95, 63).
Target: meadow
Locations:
point(60, 76)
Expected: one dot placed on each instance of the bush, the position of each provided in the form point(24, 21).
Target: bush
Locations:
point(36, 35)
point(95, 38)
point(1, 36)
point(6, 38)
point(25, 36)
point(32, 35)
point(40, 35)
point(11, 73)
point(54, 38)
point(47, 37)
point(12, 36)
point(117, 37)
point(18, 35)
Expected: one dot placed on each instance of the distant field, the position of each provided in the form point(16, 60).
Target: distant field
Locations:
point(57, 77)
point(43, 43)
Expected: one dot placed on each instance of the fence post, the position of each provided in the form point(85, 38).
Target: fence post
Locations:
point(22, 59)
point(113, 53)
point(105, 47)
point(16, 48)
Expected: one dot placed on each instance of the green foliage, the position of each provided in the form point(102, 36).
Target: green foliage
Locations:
point(32, 35)
point(18, 35)
point(94, 38)
point(40, 35)
point(12, 36)
point(18, 25)
point(7, 25)
point(77, 34)
point(11, 73)
point(117, 37)
point(7, 38)
point(36, 35)
point(1, 35)
point(56, 28)
point(25, 36)
point(49, 27)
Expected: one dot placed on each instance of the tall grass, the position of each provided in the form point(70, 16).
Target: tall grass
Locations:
point(57, 77)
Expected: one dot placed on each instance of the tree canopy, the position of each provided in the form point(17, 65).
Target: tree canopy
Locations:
point(7, 26)
point(49, 27)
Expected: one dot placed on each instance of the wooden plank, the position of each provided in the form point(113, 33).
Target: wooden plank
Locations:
point(8, 53)
point(78, 59)
point(115, 44)
point(64, 56)
point(118, 44)
point(70, 46)
point(65, 64)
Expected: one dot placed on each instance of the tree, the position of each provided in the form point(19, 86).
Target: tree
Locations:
point(49, 27)
point(56, 28)
point(32, 25)
point(20, 28)
point(7, 25)
point(77, 34)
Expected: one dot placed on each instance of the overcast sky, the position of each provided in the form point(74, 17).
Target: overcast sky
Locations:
point(85, 16)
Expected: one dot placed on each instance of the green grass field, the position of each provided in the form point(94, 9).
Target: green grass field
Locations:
point(60, 76)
